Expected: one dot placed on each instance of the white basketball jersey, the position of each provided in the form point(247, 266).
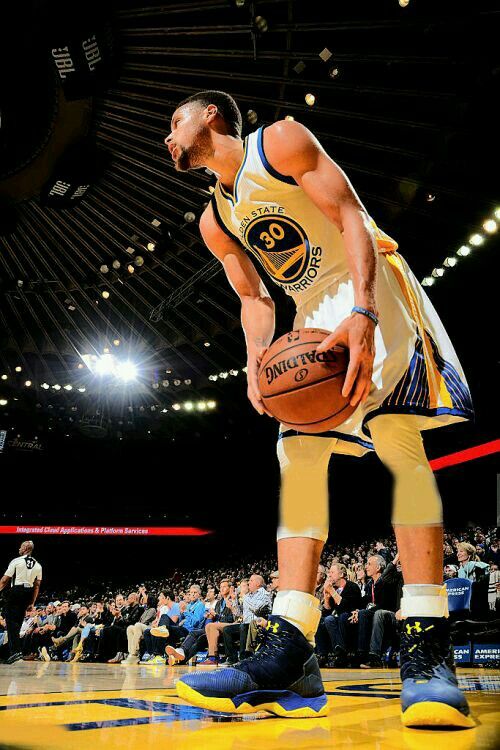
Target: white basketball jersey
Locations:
point(276, 221)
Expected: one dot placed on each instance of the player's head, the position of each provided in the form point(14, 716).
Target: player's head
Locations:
point(193, 123)
point(26, 548)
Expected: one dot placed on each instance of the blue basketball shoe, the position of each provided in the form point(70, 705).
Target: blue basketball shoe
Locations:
point(282, 677)
point(430, 696)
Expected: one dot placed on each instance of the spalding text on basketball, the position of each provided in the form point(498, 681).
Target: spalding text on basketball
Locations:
point(299, 360)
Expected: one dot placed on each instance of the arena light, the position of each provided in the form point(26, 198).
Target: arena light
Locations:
point(116, 342)
point(56, 387)
point(490, 226)
point(310, 100)
point(176, 407)
point(206, 343)
point(19, 368)
point(104, 268)
point(3, 402)
point(105, 294)
point(289, 117)
point(463, 251)
point(233, 372)
point(201, 405)
point(438, 272)
point(45, 386)
point(189, 217)
point(211, 404)
point(4, 377)
point(476, 240)
point(130, 268)
point(213, 377)
point(496, 213)
point(151, 246)
point(81, 389)
point(116, 264)
point(105, 365)
point(450, 262)
point(223, 375)
point(188, 406)
point(68, 387)
point(126, 371)
point(28, 383)
point(428, 281)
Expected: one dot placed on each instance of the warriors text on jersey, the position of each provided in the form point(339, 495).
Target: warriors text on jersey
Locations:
point(416, 369)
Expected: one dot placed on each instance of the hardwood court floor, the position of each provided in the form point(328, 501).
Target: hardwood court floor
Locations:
point(57, 705)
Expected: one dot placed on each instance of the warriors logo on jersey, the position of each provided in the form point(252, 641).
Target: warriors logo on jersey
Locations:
point(283, 248)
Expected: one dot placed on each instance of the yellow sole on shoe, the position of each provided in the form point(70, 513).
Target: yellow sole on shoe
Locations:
point(434, 714)
point(226, 705)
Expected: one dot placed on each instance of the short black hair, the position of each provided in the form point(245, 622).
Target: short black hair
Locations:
point(225, 104)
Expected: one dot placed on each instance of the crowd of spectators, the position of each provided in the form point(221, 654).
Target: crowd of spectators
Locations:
point(222, 613)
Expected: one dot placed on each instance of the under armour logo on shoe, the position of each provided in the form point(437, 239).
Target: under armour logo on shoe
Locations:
point(415, 627)
point(274, 626)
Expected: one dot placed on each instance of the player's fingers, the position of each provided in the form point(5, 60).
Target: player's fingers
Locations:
point(359, 388)
point(332, 340)
point(352, 372)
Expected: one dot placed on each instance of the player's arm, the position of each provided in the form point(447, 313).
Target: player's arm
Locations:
point(4, 582)
point(257, 307)
point(293, 150)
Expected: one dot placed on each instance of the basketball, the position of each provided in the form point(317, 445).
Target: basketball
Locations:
point(303, 389)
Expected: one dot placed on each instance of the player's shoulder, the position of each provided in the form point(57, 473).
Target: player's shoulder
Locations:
point(287, 142)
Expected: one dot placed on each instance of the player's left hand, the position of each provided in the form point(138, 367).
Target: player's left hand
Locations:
point(357, 333)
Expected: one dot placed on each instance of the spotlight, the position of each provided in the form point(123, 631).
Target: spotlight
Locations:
point(126, 371)
point(105, 294)
point(81, 390)
point(428, 281)
point(176, 407)
point(211, 404)
point(116, 342)
point(151, 246)
point(68, 387)
point(104, 268)
point(187, 382)
point(28, 383)
point(188, 406)
point(450, 262)
point(207, 343)
point(18, 369)
point(105, 365)
point(261, 24)
point(177, 382)
point(130, 250)
point(325, 54)
point(45, 386)
point(56, 387)
point(116, 264)
point(139, 261)
point(289, 117)
point(244, 369)
point(496, 213)
point(430, 197)
point(437, 272)
point(189, 217)
point(233, 372)
point(463, 251)
point(476, 240)
point(80, 366)
point(201, 405)
point(156, 223)
point(310, 100)
point(164, 411)
point(252, 116)
point(106, 350)
point(404, 3)
point(223, 375)
point(334, 72)
point(213, 377)
point(3, 402)
point(490, 226)
point(165, 383)
point(130, 269)
point(4, 377)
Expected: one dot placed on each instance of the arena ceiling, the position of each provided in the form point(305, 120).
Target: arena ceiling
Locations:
point(403, 102)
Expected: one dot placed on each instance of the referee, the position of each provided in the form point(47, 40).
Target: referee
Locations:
point(24, 575)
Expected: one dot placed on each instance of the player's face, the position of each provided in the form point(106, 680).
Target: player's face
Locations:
point(189, 141)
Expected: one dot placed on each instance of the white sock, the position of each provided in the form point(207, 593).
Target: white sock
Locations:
point(180, 651)
point(424, 600)
point(301, 609)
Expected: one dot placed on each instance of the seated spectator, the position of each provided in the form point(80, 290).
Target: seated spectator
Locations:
point(168, 614)
point(382, 592)
point(67, 619)
point(478, 572)
point(493, 552)
point(223, 613)
point(257, 603)
point(210, 599)
point(494, 587)
point(136, 630)
point(113, 638)
point(192, 619)
point(450, 571)
point(340, 595)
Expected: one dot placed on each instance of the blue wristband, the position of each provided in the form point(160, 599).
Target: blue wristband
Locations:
point(368, 313)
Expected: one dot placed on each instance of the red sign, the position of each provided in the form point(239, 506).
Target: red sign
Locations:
point(107, 530)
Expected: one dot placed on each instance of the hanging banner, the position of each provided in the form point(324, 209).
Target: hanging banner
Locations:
point(107, 530)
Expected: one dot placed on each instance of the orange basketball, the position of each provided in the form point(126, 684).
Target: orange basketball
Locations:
point(303, 389)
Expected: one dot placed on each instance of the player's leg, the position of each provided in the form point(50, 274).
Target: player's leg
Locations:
point(430, 695)
point(283, 676)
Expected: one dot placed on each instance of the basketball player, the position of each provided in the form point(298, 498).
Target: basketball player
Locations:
point(281, 200)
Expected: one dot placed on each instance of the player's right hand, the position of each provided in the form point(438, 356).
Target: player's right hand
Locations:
point(253, 391)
